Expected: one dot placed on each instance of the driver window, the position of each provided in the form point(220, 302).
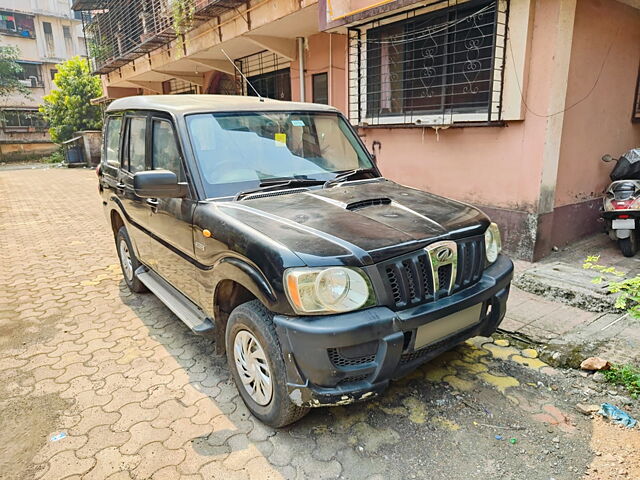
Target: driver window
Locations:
point(165, 153)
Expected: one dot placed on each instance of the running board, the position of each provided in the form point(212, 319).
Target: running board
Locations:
point(185, 309)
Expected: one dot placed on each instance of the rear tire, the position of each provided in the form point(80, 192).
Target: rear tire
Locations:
point(629, 246)
point(254, 355)
point(128, 262)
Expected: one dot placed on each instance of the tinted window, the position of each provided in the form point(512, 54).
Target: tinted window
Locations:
point(137, 140)
point(165, 150)
point(112, 146)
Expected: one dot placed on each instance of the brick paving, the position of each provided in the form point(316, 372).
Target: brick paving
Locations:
point(139, 396)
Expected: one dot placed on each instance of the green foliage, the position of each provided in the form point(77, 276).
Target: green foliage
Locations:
point(98, 50)
point(10, 72)
point(68, 108)
point(56, 157)
point(627, 288)
point(183, 12)
point(625, 375)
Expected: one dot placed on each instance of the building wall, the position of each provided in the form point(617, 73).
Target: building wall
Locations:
point(598, 119)
point(601, 123)
point(324, 52)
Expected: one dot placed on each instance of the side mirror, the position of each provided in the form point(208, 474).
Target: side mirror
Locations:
point(158, 184)
point(607, 158)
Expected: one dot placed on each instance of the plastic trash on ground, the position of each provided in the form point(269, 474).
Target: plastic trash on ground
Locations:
point(617, 415)
point(58, 436)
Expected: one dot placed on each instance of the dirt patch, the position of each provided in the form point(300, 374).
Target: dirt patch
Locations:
point(25, 424)
point(15, 333)
point(617, 451)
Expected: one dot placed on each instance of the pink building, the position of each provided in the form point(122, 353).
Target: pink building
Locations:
point(505, 104)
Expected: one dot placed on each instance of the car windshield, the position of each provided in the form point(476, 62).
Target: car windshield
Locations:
point(239, 151)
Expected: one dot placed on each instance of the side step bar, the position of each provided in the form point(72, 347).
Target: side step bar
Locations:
point(185, 309)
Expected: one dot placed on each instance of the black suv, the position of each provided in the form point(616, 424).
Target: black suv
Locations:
point(267, 226)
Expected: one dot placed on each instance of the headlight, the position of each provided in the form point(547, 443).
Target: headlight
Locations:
point(492, 242)
point(327, 290)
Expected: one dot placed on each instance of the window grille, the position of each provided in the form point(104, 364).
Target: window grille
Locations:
point(30, 75)
point(22, 120)
point(320, 84)
point(437, 65)
point(13, 23)
point(268, 73)
point(175, 86)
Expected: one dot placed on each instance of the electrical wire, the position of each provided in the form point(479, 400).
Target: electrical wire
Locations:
point(593, 87)
point(412, 37)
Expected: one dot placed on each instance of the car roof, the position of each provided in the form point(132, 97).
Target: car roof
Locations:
point(184, 104)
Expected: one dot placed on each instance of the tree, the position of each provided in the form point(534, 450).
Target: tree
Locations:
point(68, 108)
point(10, 72)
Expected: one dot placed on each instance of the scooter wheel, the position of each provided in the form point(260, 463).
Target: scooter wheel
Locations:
point(628, 246)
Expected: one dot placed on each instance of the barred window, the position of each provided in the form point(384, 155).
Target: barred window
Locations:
point(268, 73)
point(22, 120)
point(433, 67)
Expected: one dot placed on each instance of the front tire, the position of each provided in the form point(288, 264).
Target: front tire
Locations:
point(628, 246)
point(256, 364)
point(128, 261)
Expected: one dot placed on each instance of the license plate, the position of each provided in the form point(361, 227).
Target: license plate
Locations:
point(443, 327)
point(623, 224)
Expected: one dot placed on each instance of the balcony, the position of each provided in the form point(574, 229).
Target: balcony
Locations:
point(119, 31)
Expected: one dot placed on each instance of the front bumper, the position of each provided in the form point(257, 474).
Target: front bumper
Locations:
point(340, 359)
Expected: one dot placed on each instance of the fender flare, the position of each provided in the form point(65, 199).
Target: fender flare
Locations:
point(246, 275)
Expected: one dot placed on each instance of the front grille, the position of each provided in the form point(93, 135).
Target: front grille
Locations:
point(353, 379)
point(339, 359)
point(410, 280)
point(470, 261)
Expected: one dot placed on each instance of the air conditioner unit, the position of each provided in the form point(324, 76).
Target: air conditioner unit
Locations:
point(26, 83)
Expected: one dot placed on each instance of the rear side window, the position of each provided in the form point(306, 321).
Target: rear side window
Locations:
point(137, 143)
point(112, 146)
point(165, 153)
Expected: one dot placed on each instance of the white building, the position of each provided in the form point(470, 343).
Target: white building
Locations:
point(46, 32)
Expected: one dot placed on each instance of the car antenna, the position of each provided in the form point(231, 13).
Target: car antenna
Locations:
point(242, 74)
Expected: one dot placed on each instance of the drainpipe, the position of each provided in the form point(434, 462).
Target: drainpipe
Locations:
point(330, 79)
point(301, 66)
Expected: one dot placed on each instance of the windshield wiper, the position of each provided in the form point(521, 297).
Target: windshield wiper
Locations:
point(345, 175)
point(279, 184)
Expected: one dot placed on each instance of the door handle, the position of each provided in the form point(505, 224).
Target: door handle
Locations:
point(153, 202)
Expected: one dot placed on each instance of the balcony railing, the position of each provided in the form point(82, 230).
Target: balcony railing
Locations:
point(118, 31)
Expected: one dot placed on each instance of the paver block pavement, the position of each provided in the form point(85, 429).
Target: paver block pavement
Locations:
point(140, 396)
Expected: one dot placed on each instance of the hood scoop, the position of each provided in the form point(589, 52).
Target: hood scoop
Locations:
point(371, 202)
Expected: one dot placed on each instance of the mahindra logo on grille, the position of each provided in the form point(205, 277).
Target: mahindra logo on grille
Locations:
point(444, 254)
point(443, 257)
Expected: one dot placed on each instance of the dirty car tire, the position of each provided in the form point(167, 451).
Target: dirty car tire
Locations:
point(131, 280)
point(254, 318)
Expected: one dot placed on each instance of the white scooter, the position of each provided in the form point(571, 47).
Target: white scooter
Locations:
point(622, 201)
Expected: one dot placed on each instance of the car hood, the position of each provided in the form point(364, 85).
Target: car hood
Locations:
point(357, 223)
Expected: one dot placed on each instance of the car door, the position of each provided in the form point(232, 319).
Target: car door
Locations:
point(134, 159)
point(171, 218)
